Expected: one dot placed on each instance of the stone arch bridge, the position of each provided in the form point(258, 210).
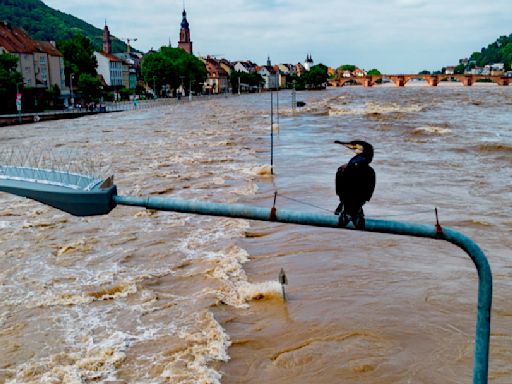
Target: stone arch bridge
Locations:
point(432, 80)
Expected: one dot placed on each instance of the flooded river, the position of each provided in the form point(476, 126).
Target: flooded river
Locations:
point(141, 296)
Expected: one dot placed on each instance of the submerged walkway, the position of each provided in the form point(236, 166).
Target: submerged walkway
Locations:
point(28, 118)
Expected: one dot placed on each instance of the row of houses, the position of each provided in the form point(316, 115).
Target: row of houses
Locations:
point(496, 69)
point(42, 65)
point(273, 76)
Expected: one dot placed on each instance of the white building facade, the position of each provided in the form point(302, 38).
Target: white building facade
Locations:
point(111, 68)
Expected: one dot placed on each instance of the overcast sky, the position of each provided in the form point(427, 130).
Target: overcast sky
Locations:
point(394, 36)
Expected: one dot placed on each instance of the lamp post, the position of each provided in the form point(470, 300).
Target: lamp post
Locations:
point(182, 91)
point(189, 90)
point(154, 87)
point(277, 96)
point(71, 77)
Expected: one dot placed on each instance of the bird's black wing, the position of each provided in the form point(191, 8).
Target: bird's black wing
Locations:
point(370, 183)
point(341, 181)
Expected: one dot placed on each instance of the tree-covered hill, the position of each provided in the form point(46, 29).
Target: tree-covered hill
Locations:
point(44, 23)
point(498, 52)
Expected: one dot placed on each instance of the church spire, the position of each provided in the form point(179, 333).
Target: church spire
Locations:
point(107, 41)
point(184, 41)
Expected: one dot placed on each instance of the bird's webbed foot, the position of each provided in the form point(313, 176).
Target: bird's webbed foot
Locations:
point(343, 220)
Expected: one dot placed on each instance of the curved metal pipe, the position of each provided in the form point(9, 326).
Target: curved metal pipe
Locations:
point(483, 321)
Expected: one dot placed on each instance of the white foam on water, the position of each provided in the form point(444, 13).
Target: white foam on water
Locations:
point(5, 224)
point(96, 362)
point(373, 109)
point(206, 342)
point(432, 130)
point(98, 281)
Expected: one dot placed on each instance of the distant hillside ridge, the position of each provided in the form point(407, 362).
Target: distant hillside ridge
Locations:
point(44, 23)
point(498, 52)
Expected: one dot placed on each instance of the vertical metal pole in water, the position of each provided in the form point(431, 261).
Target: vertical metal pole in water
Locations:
point(277, 110)
point(294, 98)
point(271, 132)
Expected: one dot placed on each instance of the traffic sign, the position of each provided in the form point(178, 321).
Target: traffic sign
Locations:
point(18, 101)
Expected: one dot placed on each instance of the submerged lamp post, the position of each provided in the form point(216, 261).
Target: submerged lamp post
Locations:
point(82, 196)
point(271, 132)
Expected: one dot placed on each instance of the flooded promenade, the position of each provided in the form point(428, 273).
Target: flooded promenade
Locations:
point(140, 296)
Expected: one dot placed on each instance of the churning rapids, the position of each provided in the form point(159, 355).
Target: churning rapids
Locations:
point(141, 296)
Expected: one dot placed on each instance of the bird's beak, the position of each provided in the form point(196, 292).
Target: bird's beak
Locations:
point(353, 147)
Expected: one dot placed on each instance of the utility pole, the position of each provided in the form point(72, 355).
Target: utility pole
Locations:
point(271, 132)
point(277, 111)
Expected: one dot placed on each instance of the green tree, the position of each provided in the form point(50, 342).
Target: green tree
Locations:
point(347, 67)
point(252, 79)
point(498, 52)
point(90, 87)
point(316, 77)
point(424, 72)
point(78, 56)
point(44, 23)
point(9, 77)
point(297, 82)
point(373, 71)
point(506, 52)
point(459, 69)
point(158, 70)
point(175, 67)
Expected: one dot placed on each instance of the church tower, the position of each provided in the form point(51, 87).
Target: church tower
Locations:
point(309, 62)
point(184, 41)
point(107, 41)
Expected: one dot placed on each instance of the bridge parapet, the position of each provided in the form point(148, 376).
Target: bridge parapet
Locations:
point(400, 80)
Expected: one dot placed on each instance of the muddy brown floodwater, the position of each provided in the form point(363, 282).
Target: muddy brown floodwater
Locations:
point(141, 296)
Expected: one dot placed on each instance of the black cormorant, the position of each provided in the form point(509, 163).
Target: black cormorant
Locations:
point(355, 183)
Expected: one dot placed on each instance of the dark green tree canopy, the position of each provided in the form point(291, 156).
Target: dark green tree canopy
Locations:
point(498, 52)
point(175, 67)
point(89, 86)
point(316, 77)
point(347, 67)
point(373, 71)
point(252, 79)
point(9, 77)
point(78, 56)
point(44, 23)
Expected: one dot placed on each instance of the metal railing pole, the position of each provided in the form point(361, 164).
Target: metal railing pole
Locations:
point(483, 322)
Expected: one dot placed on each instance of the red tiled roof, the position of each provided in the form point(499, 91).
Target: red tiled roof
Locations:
point(48, 47)
point(15, 40)
point(110, 56)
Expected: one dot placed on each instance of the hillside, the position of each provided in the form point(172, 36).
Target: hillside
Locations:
point(44, 23)
point(498, 52)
